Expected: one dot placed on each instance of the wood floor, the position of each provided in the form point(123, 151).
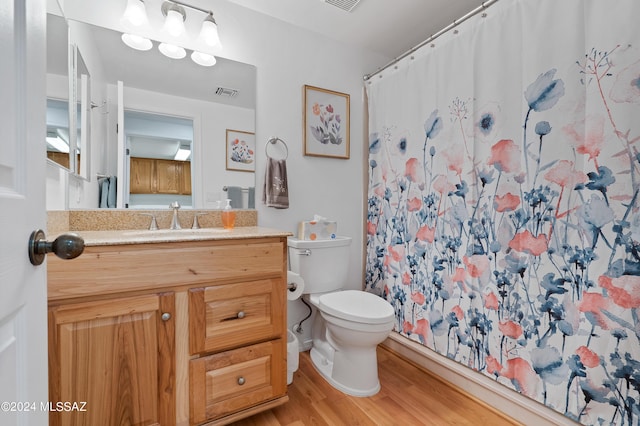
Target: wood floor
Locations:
point(409, 396)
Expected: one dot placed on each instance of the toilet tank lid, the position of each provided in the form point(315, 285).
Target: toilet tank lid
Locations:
point(309, 244)
point(357, 306)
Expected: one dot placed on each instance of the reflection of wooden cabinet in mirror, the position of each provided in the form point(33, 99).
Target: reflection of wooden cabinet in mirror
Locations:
point(61, 158)
point(155, 176)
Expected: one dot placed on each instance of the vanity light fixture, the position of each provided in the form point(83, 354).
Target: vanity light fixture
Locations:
point(136, 42)
point(135, 14)
point(175, 15)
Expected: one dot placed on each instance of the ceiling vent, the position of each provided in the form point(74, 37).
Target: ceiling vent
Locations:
point(347, 5)
point(227, 93)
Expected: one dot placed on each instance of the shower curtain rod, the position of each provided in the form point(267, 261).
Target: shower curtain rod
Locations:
point(455, 23)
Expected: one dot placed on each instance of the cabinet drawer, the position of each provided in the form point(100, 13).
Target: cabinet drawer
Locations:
point(227, 316)
point(113, 269)
point(231, 381)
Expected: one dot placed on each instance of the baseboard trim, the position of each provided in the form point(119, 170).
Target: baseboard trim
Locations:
point(507, 401)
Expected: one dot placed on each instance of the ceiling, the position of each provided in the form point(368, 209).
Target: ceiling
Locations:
point(388, 27)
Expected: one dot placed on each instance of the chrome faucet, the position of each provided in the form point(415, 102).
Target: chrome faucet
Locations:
point(196, 224)
point(175, 222)
point(154, 223)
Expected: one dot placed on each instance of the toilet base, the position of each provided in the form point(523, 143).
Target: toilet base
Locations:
point(324, 365)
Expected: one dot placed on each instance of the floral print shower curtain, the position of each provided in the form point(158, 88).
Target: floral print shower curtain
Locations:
point(503, 209)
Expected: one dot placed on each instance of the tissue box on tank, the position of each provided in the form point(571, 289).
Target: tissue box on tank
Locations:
point(317, 230)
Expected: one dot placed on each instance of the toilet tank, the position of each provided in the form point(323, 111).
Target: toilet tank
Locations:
point(322, 264)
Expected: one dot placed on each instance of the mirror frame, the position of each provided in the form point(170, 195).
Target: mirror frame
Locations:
point(67, 96)
point(79, 112)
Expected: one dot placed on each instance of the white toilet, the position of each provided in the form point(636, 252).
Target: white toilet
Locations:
point(351, 322)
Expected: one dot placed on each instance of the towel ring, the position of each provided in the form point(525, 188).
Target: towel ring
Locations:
point(273, 140)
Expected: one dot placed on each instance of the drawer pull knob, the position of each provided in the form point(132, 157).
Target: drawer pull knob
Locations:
point(241, 380)
point(240, 314)
point(166, 316)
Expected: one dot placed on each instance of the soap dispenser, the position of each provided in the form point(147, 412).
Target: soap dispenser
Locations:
point(228, 216)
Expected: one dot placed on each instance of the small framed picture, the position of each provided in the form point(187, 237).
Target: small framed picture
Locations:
point(241, 151)
point(326, 123)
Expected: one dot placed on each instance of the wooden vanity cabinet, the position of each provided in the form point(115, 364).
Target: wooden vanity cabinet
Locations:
point(115, 358)
point(184, 333)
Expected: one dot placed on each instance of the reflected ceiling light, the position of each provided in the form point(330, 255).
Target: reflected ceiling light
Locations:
point(57, 142)
point(136, 42)
point(172, 51)
point(175, 17)
point(209, 32)
point(203, 59)
point(182, 154)
point(135, 13)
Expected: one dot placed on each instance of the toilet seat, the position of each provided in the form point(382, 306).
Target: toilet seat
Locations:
point(357, 306)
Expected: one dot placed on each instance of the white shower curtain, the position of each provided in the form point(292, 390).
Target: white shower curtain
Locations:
point(503, 216)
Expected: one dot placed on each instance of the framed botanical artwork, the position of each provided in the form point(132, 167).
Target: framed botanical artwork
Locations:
point(241, 151)
point(326, 123)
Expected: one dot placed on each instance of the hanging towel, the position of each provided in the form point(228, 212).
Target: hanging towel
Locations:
point(103, 190)
point(234, 193)
point(107, 192)
point(252, 198)
point(275, 191)
point(111, 196)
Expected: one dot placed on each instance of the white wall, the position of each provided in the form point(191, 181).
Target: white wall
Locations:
point(287, 58)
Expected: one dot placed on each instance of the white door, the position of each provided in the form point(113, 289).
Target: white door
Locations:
point(23, 292)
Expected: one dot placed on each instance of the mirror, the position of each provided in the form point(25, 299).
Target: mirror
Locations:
point(214, 99)
point(58, 136)
point(68, 97)
point(82, 99)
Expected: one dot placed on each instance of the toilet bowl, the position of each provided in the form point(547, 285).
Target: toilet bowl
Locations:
point(349, 324)
point(345, 339)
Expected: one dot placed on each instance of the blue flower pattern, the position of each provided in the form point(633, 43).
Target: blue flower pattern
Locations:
point(522, 265)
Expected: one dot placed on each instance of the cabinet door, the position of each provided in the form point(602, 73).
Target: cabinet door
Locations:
point(118, 357)
point(186, 178)
point(141, 180)
point(168, 173)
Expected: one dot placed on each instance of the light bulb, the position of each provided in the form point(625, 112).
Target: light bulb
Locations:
point(137, 42)
point(135, 13)
point(203, 59)
point(209, 32)
point(172, 51)
point(174, 23)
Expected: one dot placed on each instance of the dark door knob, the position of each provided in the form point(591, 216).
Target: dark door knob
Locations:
point(66, 246)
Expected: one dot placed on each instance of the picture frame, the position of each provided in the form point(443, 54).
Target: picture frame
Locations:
point(240, 151)
point(326, 123)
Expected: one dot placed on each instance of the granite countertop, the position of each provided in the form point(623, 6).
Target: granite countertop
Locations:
point(135, 236)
